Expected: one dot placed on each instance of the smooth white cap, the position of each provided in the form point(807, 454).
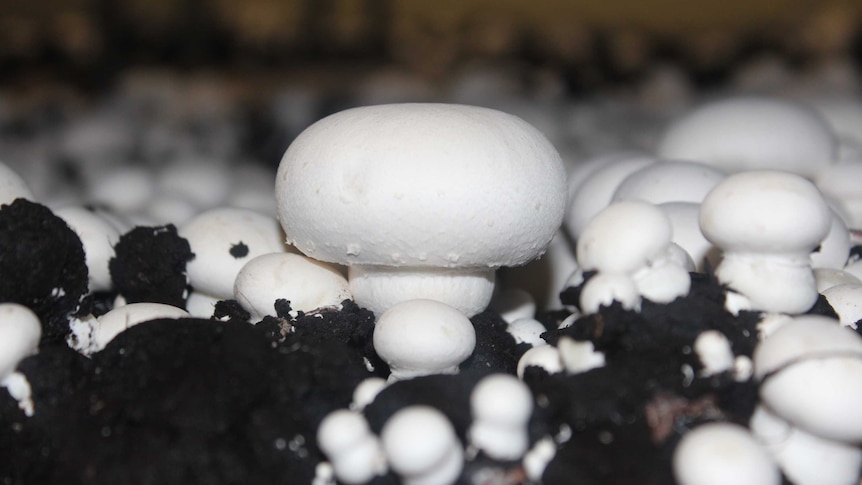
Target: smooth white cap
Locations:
point(713, 350)
point(201, 305)
point(20, 331)
point(804, 458)
point(421, 337)
point(213, 234)
point(418, 185)
point(835, 247)
point(846, 300)
point(604, 288)
point(545, 356)
point(721, 454)
point(306, 283)
point(12, 186)
point(98, 236)
point(119, 319)
point(827, 278)
point(513, 304)
point(623, 237)
point(669, 181)
point(752, 133)
point(578, 356)
point(366, 391)
point(421, 446)
point(355, 452)
point(501, 405)
point(527, 330)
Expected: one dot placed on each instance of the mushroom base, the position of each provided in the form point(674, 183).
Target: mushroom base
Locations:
point(773, 284)
point(378, 288)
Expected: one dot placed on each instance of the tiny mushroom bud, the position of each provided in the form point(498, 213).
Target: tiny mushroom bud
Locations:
point(306, 283)
point(422, 201)
point(545, 356)
point(501, 405)
point(605, 288)
point(809, 370)
point(514, 304)
point(99, 237)
point(721, 454)
point(20, 331)
point(366, 391)
point(527, 331)
point(355, 452)
point(713, 350)
point(578, 356)
point(754, 218)
point(752, 133)
point(422, 447)
point(223, 240)
point(421, 337)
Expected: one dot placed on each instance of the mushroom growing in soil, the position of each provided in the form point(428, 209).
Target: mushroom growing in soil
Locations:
point(767, 223)
point(421, 200)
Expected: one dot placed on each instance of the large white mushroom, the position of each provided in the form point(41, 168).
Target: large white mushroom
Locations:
point(421, 200)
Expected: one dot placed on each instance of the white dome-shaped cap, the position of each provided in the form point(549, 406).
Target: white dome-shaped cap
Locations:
point(623, 237)
point(669, 181)
point(420, 337)
point(20, 332)
point(760, 211)
point(421, 446)
point(421, 185)
point(98, 236)
point(501, 405)
point(223, 240)
point(752, 133)
point(846, 300)
point(119, 319)
point(721, 454)
point(340, 430)
point(12, 186)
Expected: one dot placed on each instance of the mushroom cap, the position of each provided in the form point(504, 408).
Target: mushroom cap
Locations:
point(502, 399)
point(624, 237)
point(752, 133)
point(20, 331)
point(846, 300)
point(417, 439)
point(99, 237)
point(421, 185)
point(670, 181)
point(722, 453)
point(341, 430)
point(760, 212)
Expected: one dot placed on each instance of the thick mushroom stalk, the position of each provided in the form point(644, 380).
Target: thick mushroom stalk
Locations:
point(421, 201)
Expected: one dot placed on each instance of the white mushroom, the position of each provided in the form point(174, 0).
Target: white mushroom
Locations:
point(752, 133)
point(527, 330)
point(754, 218)
point(846, 300)
point(810, 369)
point(669, 181)
point(20, 331)
point(835, 247)
point(366, 391)
point(603, 289)
point(545, 356)
point(223, 240)
point(421, 446)
point(201, 305)
point(720, 454)
point(827, 278)
point(804, 458)
point(355, 452)
point(98, 237)
point(421, 200)
point(421, 337)
point(95, 334)
point(513, 304)
point(713, 350)
point(578, 356)
point(685, 219)
point(306, 283)
point(501, 405)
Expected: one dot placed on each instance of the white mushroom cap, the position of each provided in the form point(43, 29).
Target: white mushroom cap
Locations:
point(514, 304)
point(827, 278)
point(752, 133)
point(421, 446)
point(605, 288)
point(720, 454)
point(835, 247)
point(126, 189)
point(119, 319)
point(759, 211)
point(804, 458)
point(685, 219)
point(12, 186)
point(669, 181)
point(713, 350)
point(306, 283)
point(20, 331)
point(355, 452)
point(811, 369)
point(527, 330)
point(421, 185)
point(545, 356)
point(98, 237)
point(223, 240)
point(846, 300)
point(501, 405)
point(665, 278)
point(201, 305)
point(366, 391)
point(596, 191)
point(578, 356)
point(421, 337)
point(623, 237)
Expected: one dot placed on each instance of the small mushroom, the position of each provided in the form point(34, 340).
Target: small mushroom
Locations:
point(501, 406)
point(355, 453)
point(20, 331)
point(846, 300)
point(99, 237)
point(754, 218)
point(93, 334)
point(421, 446)
point(421, 337)
point(752, 133)
point(720, 454)
point(422, 201)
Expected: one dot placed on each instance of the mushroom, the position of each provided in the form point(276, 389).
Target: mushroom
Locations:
point(846, 300)
point(306, 283)
point(669, 181)
point(754, 218)
point(720, 454)
point(99, 237)
point(355, 452)
point(421, 337)
point(501, 406)
point(223, 240)
point(422, 447)
point(20, 331)
point(91, 335)
point(752, 133)
point(422, 201)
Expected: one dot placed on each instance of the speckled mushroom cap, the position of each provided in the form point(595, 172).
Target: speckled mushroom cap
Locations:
point(421, 185)
point(752, 133)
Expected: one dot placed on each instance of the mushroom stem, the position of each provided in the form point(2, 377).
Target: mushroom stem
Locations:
point(774, 283)
point(378, 288)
